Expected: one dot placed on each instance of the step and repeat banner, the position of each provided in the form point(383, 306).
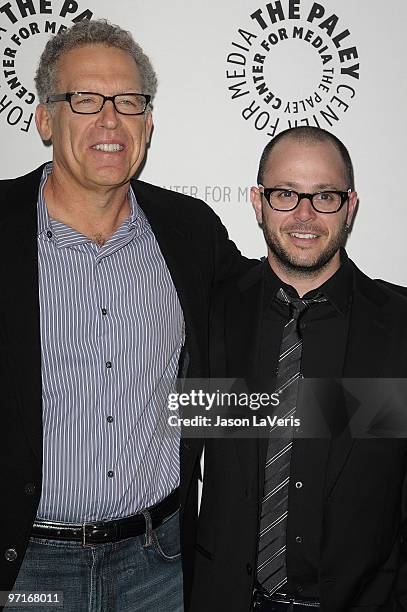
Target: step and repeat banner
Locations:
point(232, 75)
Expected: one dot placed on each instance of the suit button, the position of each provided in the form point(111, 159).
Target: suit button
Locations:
point(249, 569)
point(299, 588)
point(298, 485)
point(29, 488)
point(298, 539)
point(10, 554)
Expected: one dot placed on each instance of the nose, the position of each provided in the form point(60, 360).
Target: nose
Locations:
point(304, 210)
point(108, 116)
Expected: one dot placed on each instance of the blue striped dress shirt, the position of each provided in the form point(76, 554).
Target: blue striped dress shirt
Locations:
point(111, 334)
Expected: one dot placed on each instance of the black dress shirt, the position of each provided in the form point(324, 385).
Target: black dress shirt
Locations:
point(324, 329)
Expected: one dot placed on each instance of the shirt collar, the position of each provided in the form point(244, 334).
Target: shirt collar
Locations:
point(337, 289)
point(134, 208)
point(43, 220)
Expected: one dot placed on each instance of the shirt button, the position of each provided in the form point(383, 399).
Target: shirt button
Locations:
point(10, 554)
point(109, 419)
point(298, 485)
point(29, 488)
point(108, 364)
point(110, 473)
point(298, 539)
point(104, 311)
point(49, 234)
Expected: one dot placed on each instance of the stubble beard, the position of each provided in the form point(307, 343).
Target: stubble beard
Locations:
point(294, 266)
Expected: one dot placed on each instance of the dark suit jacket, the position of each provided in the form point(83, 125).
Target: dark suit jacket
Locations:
point(196, 249)
point(361, 509)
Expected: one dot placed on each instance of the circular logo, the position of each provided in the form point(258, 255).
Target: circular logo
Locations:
point(293, 63)
point(25, 27)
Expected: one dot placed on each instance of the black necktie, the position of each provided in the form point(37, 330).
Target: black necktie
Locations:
point(271, 566)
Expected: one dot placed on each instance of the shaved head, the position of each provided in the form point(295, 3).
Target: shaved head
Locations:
point(309, 135)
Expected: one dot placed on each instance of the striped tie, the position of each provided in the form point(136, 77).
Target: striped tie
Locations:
point(271, 567)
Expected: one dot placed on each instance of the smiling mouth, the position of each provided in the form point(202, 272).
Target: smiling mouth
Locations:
point(303, 236)
point(108, 148)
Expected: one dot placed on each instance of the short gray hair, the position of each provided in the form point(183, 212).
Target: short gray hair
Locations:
point(91, 32)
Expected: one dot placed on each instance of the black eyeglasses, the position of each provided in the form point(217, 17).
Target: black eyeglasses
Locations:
point(284, 200)
point(89, 103)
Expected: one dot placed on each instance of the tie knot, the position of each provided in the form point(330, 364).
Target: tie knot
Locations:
point(298, 305)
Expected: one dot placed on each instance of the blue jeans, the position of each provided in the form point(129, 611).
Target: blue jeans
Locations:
point(141, 574)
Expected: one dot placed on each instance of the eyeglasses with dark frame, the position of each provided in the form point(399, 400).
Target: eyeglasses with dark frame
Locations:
point(285, 200)
point(91, 103)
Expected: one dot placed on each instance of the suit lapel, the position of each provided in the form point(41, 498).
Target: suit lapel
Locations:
point(366, 356)
point(243, 316)
point(369, 337)
point(173, 243)
point(242, 321)
point(21, 314)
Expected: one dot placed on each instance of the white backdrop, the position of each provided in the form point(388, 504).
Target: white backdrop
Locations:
point(335, 62)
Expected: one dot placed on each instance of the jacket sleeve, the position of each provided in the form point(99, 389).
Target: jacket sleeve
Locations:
point(228, 261)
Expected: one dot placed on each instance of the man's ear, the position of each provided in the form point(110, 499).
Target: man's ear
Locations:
point(353, 200)
point(43, 121)
point(255, 198)
point(149, 126)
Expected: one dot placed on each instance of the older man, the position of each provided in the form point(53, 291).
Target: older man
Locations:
point(105, 290)
point(296, 522)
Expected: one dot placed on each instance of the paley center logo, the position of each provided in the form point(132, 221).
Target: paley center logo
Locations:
point(293, 63)
point(25, 26)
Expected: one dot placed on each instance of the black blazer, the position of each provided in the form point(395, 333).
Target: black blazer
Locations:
point(362, 507)
point(198, 253)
